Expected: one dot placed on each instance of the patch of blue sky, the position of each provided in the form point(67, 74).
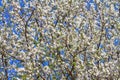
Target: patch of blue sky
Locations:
point(86, 26)
point(109, 36)
point(77, 30)
point(7, 16)
point(14, 29)
point(1, 69)
point(17, 32)
point(1, 23)
point(9, 23)
point(10, 8)
point(107, 30)
point(116, 41)
point(97, 21)
point(28, 15)
point(22, 4)
point(62, 52)
point(12, 73)
point(27, 5)
point(55, 22)
point(23, 50)
point(6, 13)
point(98, 17)
point(20, 65)
point(88, 6)
point(95, 6)
point(36, 37)
point(10, 78)
point(91, 1)
point(15, 62)
point(106, 4)
point(81, 57)
point(117, 6)
point(1, 3)
point(45, 63)
point(21, 12)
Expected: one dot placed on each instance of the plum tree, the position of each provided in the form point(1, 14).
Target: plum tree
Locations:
point(60, 39)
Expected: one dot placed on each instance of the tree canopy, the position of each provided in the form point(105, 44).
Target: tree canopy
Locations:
point(59, 39)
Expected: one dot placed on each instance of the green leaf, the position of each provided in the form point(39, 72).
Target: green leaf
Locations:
point(35, 42)
point(51, 66)
point(74, 63)
point(118, 26)
point(24, 77)
point(14, 78)
point(53, 55)
point(82, 35)
point(82, 67)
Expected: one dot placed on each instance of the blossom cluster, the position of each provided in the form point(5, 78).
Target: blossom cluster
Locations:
point(60, 39)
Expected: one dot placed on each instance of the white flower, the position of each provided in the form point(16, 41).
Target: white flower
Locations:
point(103, 53)
point(46, 69)
point(78, 20)
point(97, 1)
point(112, 8)
point(93, 49)
point(21, 69)
point(18, 78)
